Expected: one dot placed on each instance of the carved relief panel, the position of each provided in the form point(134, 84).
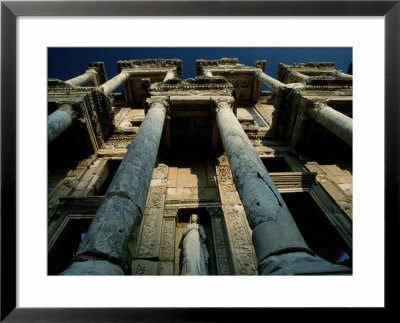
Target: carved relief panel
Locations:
point(238, 231)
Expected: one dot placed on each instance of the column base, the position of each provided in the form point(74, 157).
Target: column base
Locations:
point(279, 236)
point(300, 263)
point(93, 268)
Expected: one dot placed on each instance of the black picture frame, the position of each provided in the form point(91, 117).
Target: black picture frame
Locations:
point(10, 10)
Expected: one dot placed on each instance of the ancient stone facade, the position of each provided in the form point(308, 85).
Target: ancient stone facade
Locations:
point(268, 172)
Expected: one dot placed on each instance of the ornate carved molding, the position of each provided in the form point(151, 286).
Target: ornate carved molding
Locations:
point(239, 233)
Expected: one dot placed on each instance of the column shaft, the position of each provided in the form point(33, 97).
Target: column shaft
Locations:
point(344, 75)
point(300, 77)
point(81, 79)
point(109, 233)
point(275, 233)
point(336, 122)
point(116, 81)
point(59, 121)
point(268, 80)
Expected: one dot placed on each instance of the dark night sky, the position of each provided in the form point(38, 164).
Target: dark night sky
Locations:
point(65, 63)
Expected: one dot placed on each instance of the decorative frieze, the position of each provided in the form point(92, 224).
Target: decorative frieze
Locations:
point(243, 253)
point(156, 197)
point(165, 268)
point(144, 267)
point(167, 251)
point(149, 237)
point(160, 172)
point(222, 250)
point(149, 241)
point(238, 231)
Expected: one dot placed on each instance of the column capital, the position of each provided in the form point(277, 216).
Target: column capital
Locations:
point(158, 100)
point(268, 80)
point(91, 70)
point(116, 81)
point(207, 72)
point(171, 74)
point(317, 105)
point(93, 80)
point(223, 102)
point(69, 108)
point(336, 122)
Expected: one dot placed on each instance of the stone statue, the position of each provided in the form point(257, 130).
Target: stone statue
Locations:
point(194, 250)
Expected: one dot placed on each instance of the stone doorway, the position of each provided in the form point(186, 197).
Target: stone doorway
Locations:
point(191, 133)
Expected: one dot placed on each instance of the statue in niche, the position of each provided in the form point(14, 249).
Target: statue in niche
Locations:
point(194, 250)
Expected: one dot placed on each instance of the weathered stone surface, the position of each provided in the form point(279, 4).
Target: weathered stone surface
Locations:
point(243, 256)
point(116, 81)
point(300, 263)
point(261, 200)
point(93, 267)
point(241, 251)
point(176, 194)
point(340, 124)
point(123, 206)
point(222, 252)
point(109, 232)
point(166, 268)
point(59, 121)
point(79, 80)
point(167, 250)
point(144, 267)
point(257, 191)
point(280, 123)
point(268, 80)
point(150, 235)
point(279, 236)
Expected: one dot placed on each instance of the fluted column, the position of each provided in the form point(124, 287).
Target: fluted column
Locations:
point(268, 80)
point(105, 250)
point(116, 81)
point(171, 74)
point(81, 79)
point(279, 245)
point(335, 121)
point(59, 121)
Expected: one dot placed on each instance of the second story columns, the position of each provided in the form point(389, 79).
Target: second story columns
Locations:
point(90, 74)
point(335, 121)
point(268, 80)
point(59, 121)
point(116, 81)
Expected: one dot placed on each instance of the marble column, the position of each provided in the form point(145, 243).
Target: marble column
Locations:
point(344, 75)
point(116, 81)
point(105, 250)
point(336, 122)
point(279, 245)
point(59, 121)
point(268, 80)
point(171, 74)
point(81, 79)
point(300, 77)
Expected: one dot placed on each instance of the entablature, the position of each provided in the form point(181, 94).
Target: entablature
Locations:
point(323, 73)
point(141, 64)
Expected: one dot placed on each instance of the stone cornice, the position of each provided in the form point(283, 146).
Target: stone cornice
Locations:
point(150, 63)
